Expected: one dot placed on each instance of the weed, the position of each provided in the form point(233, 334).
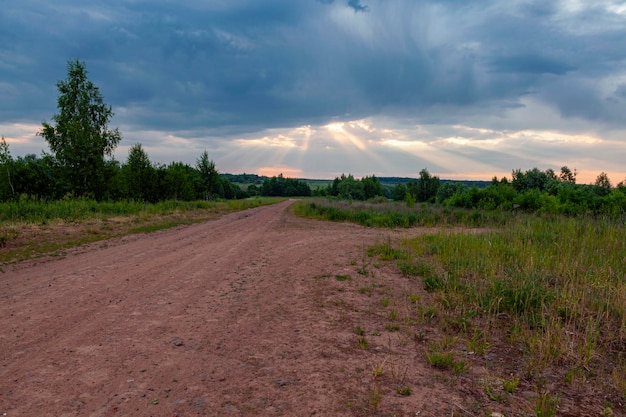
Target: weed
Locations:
point(362, 270)
point(413, 267)
point(441, 360)
point(434, 283)
point(362, 343)
point(420, 336)
point(546, 405)
point(375, 397)
point(491, 394)
point(359, 331)
point(379, 370)
point(607, 412)
point(478, 343)
point(403, 391)
point(365, 290)
point(343, 277)
point(413, 298)
point(385, 302)
point(448, 342)
point(619, 378)
point(510, 385)
point(460, 366)
point(398, 373)
point(386, 251)
point(393, 315)
point(392, 327)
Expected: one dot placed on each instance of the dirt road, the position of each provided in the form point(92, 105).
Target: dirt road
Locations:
point(236, 316)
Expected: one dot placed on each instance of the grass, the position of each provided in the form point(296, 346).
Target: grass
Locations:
point(394, 214)
point(546, 405)
point(446, 360)
point(343, 277)
point(549, 290)
point(552, 286)
point(510, 385)
point(33, 228)
point(362, 343)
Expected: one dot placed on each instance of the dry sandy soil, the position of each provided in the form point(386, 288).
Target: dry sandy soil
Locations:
point(243, 315)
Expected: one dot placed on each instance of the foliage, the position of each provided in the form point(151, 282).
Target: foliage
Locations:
point(533, 179)
point(6, 162)
point(603, 181)
point(285, 187)
point(395, 214)
point(139, 175)
point(448, 189)
point(81, 139)
point(551, 285)
point(543, 192)
point(209, 176)
point(349, 188)
point(371, 187)
point(425, 188)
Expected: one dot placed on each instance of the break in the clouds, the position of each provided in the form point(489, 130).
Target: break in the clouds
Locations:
point(318, 87)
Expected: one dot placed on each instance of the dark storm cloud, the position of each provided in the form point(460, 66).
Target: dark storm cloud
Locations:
point(530, 64)
point(357, 6)
point(354, 4)
point(242, 65)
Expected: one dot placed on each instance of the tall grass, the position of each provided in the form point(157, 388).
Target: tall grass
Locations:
point(31, 228)
point(551, 286)
point(38, 211)
point(393, 214)
point(555, 286)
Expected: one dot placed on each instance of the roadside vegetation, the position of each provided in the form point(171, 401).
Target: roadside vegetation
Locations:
point(31, 228)
point(542, 296)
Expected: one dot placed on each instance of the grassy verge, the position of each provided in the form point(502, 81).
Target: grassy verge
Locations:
point(31, 229)
point(394, 214)
point(553, 287)
point(543, 296)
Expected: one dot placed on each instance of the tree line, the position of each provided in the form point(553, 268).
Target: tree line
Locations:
point(533, 190)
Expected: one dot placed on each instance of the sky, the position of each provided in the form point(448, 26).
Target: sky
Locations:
point(467, 89)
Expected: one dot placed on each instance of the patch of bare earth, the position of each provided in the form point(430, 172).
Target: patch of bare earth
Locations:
point(255, 313)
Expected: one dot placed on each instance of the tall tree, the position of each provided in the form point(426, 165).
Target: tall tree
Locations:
point(139, 174)
point(603, 181)
point(210, 176)
point(372, 187)
point(81, 139)
point(567, 175)
point(425, 188)
point(6, 160)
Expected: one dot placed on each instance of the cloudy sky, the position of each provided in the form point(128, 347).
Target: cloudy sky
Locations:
point(467, 89)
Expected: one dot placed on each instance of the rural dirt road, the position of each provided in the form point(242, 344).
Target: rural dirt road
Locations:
point(236, 316)
point(256, 313)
